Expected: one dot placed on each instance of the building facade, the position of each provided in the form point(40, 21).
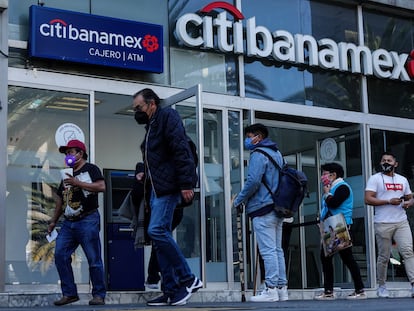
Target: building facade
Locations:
point(333, 81)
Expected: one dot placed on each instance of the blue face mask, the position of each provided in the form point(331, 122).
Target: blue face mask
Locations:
point(248, 143)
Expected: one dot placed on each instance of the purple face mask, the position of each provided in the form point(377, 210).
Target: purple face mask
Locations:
point(70, 160)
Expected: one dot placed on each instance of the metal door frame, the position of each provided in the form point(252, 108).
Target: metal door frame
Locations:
point(196, 91)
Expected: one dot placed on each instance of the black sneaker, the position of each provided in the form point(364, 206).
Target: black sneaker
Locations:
point(159, 301)
point(195, 285)
point(181, 296)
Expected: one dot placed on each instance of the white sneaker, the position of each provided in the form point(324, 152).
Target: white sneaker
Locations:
point(383, 292)
point(269, 294)
point(283, 293)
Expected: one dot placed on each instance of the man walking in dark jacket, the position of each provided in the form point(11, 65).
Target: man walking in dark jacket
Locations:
point(170, 171)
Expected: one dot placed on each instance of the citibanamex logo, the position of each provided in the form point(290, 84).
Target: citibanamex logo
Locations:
point(150, 43)
point(410, 65)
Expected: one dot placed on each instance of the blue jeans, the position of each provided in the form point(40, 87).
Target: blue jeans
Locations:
point(268, 230)
point(84, 232)
point(174, 269)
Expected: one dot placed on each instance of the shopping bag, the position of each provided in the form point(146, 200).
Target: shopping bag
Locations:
point(334, 234)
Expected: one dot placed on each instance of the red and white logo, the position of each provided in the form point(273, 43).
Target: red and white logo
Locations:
point(243, 36)
point(394, 187)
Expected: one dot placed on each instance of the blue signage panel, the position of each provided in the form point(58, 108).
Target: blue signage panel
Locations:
point(92, 39)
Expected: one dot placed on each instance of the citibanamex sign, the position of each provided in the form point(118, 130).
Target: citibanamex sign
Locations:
point(282, 46)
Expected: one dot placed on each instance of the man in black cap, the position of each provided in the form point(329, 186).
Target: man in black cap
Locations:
point(77, 200)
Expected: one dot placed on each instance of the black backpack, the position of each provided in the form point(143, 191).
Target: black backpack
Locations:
point(291, 190)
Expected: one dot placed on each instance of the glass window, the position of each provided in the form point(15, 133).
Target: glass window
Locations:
point(124, 9)
point(215, 71)
point(35, 119)
point(392, 33)
point(268, 79)
point(19, 14)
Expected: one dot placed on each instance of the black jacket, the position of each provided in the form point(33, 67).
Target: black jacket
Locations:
point(167, 156)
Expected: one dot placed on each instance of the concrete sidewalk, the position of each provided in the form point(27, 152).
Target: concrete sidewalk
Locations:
point(372, 304)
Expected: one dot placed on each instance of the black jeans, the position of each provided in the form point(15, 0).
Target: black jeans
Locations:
point(349, 261)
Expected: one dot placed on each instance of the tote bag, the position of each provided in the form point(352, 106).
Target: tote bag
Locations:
point(334, 234)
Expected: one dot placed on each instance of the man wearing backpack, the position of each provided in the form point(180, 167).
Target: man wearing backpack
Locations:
point(260, 207)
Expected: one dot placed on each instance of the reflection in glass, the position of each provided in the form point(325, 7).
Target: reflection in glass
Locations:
point(32, 178)
point(188, 231)
point(215, 71)
point(268, 79)
point(214, 200)
point(388, 97)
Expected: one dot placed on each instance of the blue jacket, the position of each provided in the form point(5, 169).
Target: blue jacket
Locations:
point(254, 194)
point(167, 156)
point(346, 207)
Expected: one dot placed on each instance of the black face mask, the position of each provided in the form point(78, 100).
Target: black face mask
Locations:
point(386, 167)
point(141, 117)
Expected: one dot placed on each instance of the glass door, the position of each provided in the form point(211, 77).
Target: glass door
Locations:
point(344, 147)
point(188, 233)
point(204, 235)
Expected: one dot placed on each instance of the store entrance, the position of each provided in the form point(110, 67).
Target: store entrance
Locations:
point(114, 112)
point(306, 146)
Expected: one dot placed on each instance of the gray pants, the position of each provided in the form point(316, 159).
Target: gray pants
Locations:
point(401, 233)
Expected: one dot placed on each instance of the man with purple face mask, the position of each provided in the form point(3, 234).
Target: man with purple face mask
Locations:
point(77, 201)
point(391, 195)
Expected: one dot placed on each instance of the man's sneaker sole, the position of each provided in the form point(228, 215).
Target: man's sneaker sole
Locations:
point(197, 284)
point(158, 301)
point(157, 304)
point(182, 301)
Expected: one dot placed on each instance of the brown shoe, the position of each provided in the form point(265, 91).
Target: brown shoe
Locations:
point(96, 301)
point(65, 300)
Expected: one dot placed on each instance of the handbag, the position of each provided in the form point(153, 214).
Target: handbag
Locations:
point(334, 234)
